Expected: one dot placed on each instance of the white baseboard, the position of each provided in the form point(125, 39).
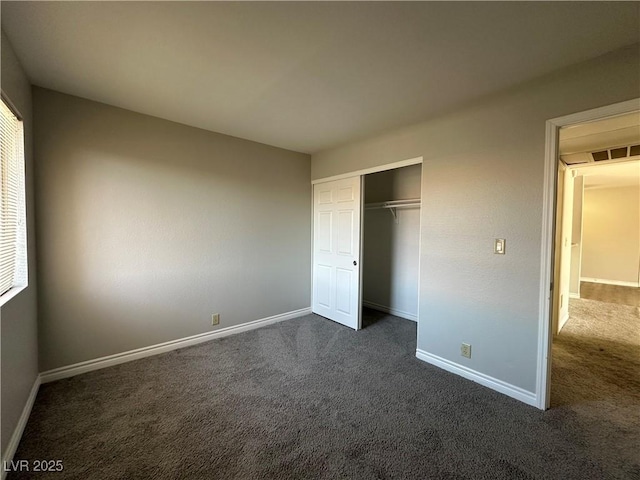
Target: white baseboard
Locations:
point(574, 295)
point(22, 423)
point(493, 383)
point(392, 311)
point(108, 361)
point(610, 282)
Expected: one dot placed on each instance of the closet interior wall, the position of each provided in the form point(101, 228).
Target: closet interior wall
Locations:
point(391, 242)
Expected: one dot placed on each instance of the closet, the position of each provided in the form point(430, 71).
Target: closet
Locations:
point(391, 235)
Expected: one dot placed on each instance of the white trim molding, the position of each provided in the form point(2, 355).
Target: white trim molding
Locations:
point(609, 282)
point(14, 441)
point(493, 383)
point(545, 335)
point(393, 311)
point(574, 295)
point(563, 320)
point(8, 295)
point(118, 358)
point(367, 171)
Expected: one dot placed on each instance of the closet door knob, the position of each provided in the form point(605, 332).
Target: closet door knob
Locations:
point(355, 263)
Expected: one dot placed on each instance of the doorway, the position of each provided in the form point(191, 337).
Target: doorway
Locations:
point(596, 159)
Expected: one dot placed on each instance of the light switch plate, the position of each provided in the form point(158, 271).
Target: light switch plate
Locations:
point(499, 246)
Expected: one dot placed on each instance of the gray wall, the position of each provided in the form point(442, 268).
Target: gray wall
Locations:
point(395, 184)
point(19, 316)
point(391, 247)
point(483, 179)
point(146, 227)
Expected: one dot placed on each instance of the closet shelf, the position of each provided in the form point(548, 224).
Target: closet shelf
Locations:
point(393, 205)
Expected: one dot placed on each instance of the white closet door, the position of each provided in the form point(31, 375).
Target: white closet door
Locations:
point(336, 251)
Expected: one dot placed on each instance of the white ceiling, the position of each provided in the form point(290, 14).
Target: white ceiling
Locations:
point(304, 75)
point(611, 132)
point(622, 174)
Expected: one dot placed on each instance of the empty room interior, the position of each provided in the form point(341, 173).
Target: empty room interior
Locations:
point(320, 240)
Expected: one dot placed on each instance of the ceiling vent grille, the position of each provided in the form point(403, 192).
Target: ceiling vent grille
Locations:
point(600, 156)
point(619, 152)
point(616, 153)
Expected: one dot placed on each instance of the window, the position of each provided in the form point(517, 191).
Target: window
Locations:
point(13, 235)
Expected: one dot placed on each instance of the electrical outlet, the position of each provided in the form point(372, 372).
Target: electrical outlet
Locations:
point(465, 350)
point(215, 319)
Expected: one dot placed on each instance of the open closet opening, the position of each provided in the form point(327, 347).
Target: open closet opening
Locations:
point(391, 239)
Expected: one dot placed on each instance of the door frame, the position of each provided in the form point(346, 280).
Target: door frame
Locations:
point(564, 206)
point(549, 202)
point(366, 171)
point(361, 173)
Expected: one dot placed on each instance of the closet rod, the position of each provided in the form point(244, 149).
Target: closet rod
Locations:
point(392, 205)
point(412, 202)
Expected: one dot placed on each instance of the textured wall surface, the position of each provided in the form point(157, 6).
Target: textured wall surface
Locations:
point(611, 236)
point(483, 179)
point(20, 314)
point(147, 227)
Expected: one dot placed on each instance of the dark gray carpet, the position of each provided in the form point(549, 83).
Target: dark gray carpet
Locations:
point(308, 398)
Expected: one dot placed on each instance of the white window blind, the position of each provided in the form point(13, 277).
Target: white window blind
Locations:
point(12, 201)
